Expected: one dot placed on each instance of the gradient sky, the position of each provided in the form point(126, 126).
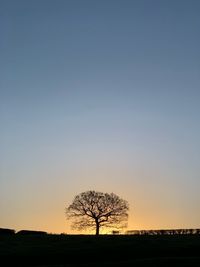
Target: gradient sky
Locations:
point(103, 95)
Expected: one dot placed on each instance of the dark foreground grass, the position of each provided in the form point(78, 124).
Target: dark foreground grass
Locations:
point(69, 250)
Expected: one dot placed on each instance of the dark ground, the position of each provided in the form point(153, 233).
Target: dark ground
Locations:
point(105, 250)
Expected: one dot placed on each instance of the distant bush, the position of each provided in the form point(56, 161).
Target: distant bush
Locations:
point(31, 232)
point(4, 231)
point(63, 234)
point(114, 232)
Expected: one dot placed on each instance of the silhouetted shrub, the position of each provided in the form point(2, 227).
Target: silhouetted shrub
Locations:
point(114, 232)
point(63, 234)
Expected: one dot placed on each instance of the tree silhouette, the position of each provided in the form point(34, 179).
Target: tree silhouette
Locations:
point(94, 210)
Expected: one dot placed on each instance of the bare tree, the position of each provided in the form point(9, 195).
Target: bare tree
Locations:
point(94, 210)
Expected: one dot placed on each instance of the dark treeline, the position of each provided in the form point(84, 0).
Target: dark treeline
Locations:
point(31, 232)
point(4, 231)
point(164, 232)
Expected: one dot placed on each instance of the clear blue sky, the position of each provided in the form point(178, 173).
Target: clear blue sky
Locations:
point(103, 95)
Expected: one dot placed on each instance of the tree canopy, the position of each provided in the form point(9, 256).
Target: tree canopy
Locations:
point(95, 210)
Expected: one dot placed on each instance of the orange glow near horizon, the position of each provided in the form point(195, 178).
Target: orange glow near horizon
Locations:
point(104, 96)
point(143, 217)
point(42, 205)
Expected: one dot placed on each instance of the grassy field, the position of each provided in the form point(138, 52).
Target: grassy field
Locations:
point(69, 250)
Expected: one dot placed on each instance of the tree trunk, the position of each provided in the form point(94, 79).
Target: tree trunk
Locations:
point(97, 228)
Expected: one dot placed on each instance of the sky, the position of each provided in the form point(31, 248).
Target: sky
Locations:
point(99, 95)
